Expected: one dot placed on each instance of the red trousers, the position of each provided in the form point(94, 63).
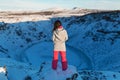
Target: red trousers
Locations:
point(63, 60)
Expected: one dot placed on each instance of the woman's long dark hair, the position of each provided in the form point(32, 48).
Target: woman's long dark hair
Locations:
point(57, 24)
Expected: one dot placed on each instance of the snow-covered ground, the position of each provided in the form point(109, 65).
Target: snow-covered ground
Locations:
point(22, 16)
point(26, 47)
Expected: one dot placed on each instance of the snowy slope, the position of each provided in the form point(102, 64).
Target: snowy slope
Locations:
point(22, 16)
point(99, 31)
point(23, 71)
point(14, 70)
point(92, 49)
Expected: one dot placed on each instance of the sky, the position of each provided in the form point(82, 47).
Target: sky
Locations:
point(66, 4)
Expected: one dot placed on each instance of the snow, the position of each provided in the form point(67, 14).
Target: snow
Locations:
point(3, 73)
point(2, 76)
point(26, 47)
point(43, 54)
point(58, 74)
point(2, 70)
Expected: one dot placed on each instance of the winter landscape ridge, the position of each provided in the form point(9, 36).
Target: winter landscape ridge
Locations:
point(26, 47)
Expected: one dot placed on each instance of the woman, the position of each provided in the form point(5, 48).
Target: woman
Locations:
point(59, 38)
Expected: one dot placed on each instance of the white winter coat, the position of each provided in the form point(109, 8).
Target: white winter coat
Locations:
point(59, 37)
